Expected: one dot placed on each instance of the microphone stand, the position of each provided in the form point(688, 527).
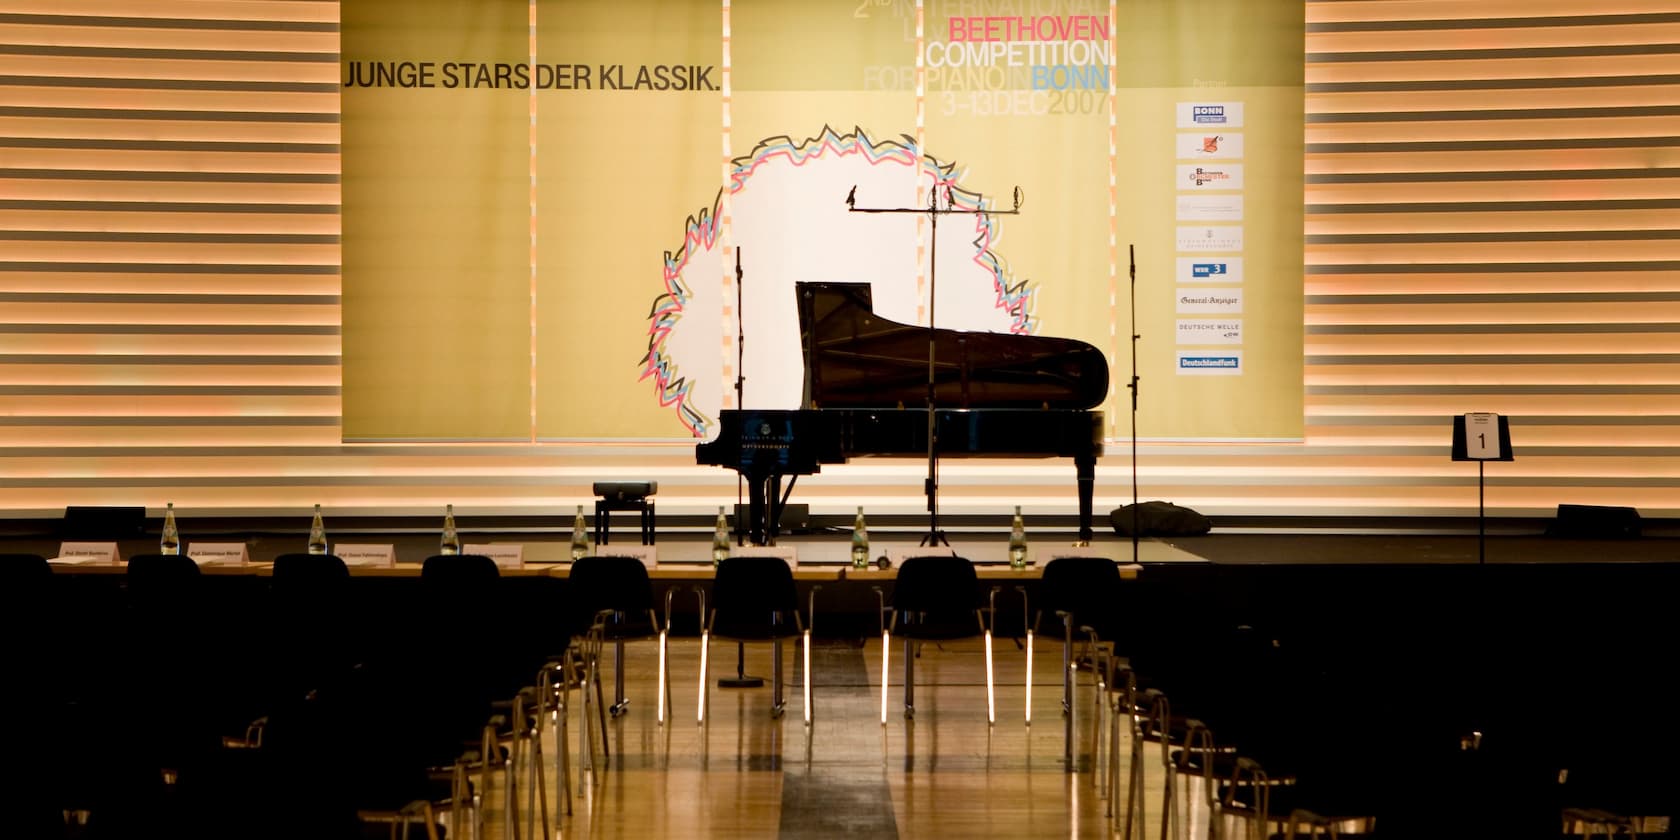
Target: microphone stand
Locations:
point(931, 483)
point(740, 680)
point(1131, 255)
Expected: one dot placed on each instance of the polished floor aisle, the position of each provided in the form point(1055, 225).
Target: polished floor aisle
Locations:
point(943, 774)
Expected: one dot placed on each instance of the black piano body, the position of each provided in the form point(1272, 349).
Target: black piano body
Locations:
point(866, 394)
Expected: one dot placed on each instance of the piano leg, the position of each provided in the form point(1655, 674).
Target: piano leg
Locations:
point(1086, 467)
point(758, 512)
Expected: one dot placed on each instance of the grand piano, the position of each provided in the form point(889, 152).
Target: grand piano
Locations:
point(866, 393)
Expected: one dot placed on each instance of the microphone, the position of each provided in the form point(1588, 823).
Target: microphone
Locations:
point(1131, 256)
point(737, 265)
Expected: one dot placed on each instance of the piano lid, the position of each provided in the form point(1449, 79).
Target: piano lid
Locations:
point(857, 359)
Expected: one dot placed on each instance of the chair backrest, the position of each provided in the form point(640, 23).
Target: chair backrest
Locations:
point(25, 588)
point(161, 581)
point(465, 569)
point(18, 569)
point(754, 597)
point(309, 568)
point(1087, 587)
point(942, 585)
point(161, 566)
point(606, 582)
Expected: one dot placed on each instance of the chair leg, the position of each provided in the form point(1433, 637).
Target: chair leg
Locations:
point(1029, 675)
point(807, 671)
point(601, 715)
point(1069, 715)
point(1067, 663)
point(621, 704)
point(991, 693)
point(1099, 690)
point(664, 694)
point(705, 654)
point(777, 704)
point(909, 679)
point(886, 653)
point(562, 738)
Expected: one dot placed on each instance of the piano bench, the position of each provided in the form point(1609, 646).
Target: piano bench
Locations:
point(623, 495)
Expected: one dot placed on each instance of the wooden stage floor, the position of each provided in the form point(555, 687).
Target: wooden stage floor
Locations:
point(944, 774)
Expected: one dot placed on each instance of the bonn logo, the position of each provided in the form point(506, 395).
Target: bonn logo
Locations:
point(1208, 113)
point(1207, 269)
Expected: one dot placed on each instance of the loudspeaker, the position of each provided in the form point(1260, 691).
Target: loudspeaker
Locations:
point(102, 523)
point(1594, 522)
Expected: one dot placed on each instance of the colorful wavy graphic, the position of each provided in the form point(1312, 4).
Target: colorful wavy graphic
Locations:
point(1010, 302)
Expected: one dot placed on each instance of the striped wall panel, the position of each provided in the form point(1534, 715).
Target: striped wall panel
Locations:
point(1492, 196)
point(1492, 224)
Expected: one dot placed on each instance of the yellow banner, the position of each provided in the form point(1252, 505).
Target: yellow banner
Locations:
point(591, 229)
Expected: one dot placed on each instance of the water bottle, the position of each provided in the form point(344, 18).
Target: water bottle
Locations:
point(171, 542)
point(317, 534)
point(720, 538)
point(1017, 542)
point(451, 542)
point(580, 536)
point(860, 542)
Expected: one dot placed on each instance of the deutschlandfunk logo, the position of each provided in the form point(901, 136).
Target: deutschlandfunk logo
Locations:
point(1209, 269)
point(1208, 114)
point(1208, 362)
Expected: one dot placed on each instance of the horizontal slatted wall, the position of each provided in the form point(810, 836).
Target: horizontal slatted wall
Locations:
point(1492, 224)
point(170, 277)
point(1492, 198)
point(168, 245)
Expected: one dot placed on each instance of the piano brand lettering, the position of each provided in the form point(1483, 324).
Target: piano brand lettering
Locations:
point(450, 75)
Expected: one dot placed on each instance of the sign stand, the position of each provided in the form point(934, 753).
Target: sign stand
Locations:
point(1481, 436)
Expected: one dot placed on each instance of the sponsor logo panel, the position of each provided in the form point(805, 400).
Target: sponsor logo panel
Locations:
point(1209, 331)
point(1210, 208)
point(1210, 115)
point(1209, 269)
point(1209, 145)
point(1206, 300)
point(1196, 238)
point(1210, 363)
point(1210, 176)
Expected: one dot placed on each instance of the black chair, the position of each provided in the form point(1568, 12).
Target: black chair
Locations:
point(313, 632)
point(754, 600)
point(31, 705)
point(617, 591)
point(174, 651)
point(1084, 593)
point(935, 599)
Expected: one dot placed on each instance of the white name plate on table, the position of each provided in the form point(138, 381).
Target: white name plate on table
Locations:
point(366, 556)
point(506, 555)
point(649, 555)
point(786, 552)
point(219, 554)
point(88, 553)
